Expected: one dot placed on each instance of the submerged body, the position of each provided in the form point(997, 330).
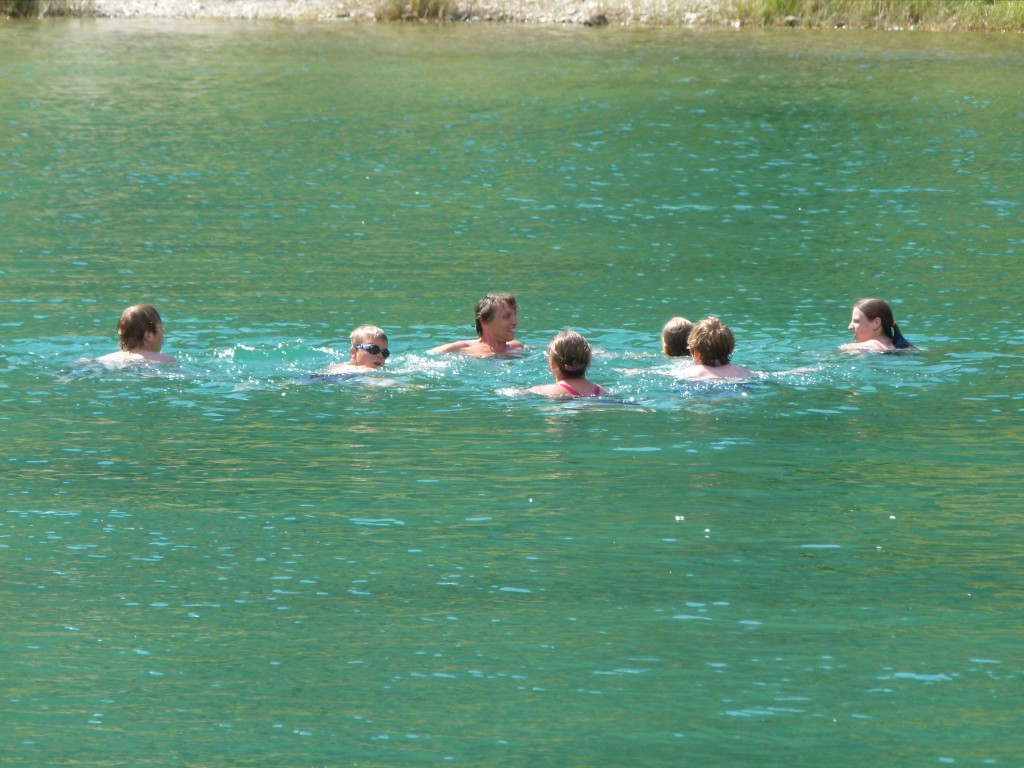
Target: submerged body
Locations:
point(578, 387)
point(726, 372)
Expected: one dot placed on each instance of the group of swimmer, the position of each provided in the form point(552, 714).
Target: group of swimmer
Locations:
point(708, 342)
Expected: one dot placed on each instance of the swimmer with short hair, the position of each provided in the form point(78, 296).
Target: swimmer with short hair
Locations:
point(711, 345)
point(675, 337)
point(369, 350)
point(140, 334)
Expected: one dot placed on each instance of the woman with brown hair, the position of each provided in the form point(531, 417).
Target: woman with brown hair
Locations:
point(874, 329)
point(569, 358)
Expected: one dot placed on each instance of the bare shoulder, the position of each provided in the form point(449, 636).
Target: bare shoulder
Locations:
point(147, 356)
point(739, 372)
point(114, 357)
point(124, 358)
point(716, 372)
point(695, 372)
point(548, 390)
point(455, 346)
point(341, 368)
point(863, 346)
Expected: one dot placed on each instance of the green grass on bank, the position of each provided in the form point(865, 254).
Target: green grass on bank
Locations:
point(989, 15)
point(16, 9)
point(978, 15)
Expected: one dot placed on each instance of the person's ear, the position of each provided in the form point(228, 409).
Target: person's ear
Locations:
point(351, 353)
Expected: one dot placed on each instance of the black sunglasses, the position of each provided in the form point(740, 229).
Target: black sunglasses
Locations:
point(374, 349)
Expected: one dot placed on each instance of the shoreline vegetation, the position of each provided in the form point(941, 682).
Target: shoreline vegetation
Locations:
point(932, 15)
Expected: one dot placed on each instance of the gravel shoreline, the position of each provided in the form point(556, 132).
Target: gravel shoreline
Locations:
point(588, 12)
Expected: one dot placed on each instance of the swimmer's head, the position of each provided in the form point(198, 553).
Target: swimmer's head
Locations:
point(489, 304)
point(134, 323)
point(675, 337)
point(367, 333)
point(876, 309)
point(712, 341)
point(570, 353)
point(369, 347)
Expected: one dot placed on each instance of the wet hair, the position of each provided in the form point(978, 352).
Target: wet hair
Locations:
point(133, 325)
point(367, 333)
point(488, 305)
point(872, 308)
point(571, 353)
point(675, 337)
point(713, 341)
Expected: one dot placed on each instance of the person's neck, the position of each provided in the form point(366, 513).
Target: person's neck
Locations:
point(697, 360)
point(497, 345)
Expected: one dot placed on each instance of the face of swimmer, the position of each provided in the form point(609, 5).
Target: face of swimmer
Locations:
point(863, 328)
point(365, 356)
point(502, 327)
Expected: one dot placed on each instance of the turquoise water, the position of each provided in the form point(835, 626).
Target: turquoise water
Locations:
point(235, 562)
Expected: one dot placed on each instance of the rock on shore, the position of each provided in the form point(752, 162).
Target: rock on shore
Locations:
point(590, 12)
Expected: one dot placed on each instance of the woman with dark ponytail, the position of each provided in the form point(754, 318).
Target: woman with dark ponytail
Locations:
point(874, 329)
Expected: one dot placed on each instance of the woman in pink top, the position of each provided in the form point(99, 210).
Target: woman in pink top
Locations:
point(569, 358)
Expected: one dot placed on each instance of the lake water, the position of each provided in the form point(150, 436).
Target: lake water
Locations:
point(235, 562)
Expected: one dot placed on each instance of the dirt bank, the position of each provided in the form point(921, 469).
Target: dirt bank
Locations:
point(594, 12)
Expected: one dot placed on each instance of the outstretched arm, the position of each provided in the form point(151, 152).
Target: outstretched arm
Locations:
point(455, 346)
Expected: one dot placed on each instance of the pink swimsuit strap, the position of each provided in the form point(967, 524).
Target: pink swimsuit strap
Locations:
point(568, 388)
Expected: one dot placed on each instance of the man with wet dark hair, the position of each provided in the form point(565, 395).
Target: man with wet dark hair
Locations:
point(496, 322)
